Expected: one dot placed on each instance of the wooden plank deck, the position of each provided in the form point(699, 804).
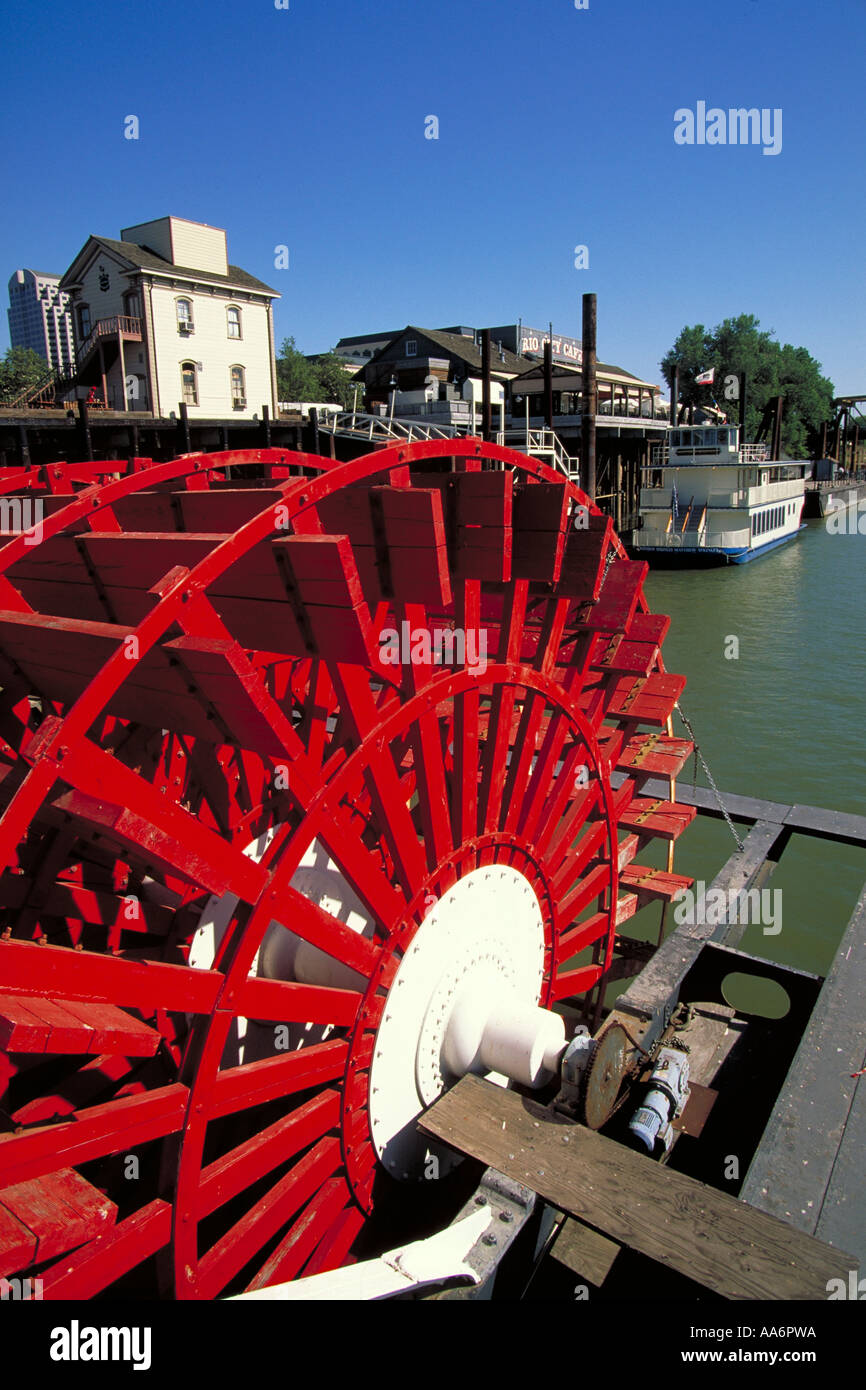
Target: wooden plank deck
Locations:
point(808, 1168)
point(713, 1238)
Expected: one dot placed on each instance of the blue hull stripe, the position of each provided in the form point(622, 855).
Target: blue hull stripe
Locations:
point(733, 555)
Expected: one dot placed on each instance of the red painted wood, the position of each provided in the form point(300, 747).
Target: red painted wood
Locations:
point(117, 1127)
point(32, 1023)
point(654, 885)
point(655, 754)
point(60, 1210)
point(264, 1220)
point(239, 1088)
point(244, 1165)
point(303, 1236)
point(649, 700)
point(53, 970)
point(648, 816)
point(541, 516)
point(280, 593)
point(99, 1263)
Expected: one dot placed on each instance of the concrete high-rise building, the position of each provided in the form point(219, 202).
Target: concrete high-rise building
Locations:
point(40, 318)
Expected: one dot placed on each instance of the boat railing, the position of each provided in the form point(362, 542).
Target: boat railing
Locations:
point(660, 455)
point(737, 498)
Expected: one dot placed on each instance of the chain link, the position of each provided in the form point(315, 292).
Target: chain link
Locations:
point(710, 778)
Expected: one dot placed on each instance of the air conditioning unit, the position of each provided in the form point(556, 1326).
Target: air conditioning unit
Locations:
point(186, 328)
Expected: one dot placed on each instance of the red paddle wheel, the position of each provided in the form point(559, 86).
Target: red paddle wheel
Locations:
point(317, 792)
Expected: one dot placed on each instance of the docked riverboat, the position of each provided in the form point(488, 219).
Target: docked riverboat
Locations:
point(707, 497)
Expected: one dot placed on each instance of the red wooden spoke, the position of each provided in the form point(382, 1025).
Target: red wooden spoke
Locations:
point(99, 1263)
point(497, 743)
point(360, 868)
point(429, 764)
point(304, 1235)
point(240, 1087)
point(383, 783)
point(334, 1247)
point(246, 1237)
point(116, 1127)
point(466, 709)
point(244, 1165)
point(562, 820)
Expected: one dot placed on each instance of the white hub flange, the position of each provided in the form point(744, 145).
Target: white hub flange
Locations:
point(464, 999)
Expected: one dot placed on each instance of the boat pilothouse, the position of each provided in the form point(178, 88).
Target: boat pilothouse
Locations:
point(706, 496)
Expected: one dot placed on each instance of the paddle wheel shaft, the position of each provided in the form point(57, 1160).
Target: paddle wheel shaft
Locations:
point(317, 793)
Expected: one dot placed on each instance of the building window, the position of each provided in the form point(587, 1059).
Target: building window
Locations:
point(189, 381)
point(411, 347)
point(184, 316)
point(239, 389)
point(233, 320)
point(132, 304)
point(84, 324)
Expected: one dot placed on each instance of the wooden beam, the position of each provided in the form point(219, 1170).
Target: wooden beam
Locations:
point(709, 1236)
point(584, 1251)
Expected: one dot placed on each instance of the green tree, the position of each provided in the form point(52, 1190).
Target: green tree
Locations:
point(336, 383)
point(21, 369)
point(296, 377)
point(299, 379)
point(772, 369)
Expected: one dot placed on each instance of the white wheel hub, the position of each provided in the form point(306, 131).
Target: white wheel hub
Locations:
point(464, 999)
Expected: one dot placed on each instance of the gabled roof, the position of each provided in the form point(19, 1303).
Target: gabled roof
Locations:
point(371, 337)
point(144, 259)
point(458, 345)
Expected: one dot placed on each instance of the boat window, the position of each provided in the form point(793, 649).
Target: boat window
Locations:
point(675, 438)
point(723, 436)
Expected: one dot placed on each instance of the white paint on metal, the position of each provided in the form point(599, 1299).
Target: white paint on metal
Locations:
point(434, 1260)
point(464, 999)
point(283, 955)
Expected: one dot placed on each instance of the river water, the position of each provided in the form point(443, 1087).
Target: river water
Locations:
point(775, 656)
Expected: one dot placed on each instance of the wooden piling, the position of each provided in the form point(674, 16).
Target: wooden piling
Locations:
point(486, 404)
point(590, 393)
point(548, 385)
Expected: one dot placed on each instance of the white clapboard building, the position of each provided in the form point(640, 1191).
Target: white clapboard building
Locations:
point(161, 319)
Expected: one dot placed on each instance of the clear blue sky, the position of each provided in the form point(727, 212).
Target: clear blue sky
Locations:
point(306, 127)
